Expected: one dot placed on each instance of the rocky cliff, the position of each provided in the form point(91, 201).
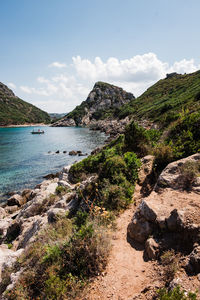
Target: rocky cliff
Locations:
point(102, 103)
point(15, 111)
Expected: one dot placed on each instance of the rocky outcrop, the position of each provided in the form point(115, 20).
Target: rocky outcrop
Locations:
point(169, 211)
point(98, 108)
point(173, 177)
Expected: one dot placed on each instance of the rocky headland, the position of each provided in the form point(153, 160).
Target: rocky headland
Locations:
point(99, 110)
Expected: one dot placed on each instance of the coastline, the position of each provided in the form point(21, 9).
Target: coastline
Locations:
point(25, 125)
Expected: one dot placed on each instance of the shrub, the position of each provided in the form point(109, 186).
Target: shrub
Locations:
point(189, 172)
point(59, 264)
point(60, 190)
point(184, 136)
point(136, 139)
point(170, 262)
point(163, 155)
point(175, 294)
point(133, 164)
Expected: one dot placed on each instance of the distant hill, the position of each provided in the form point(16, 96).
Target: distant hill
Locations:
point(164, 101)
point(102, 103)
point(56, 116)
point(15, 111)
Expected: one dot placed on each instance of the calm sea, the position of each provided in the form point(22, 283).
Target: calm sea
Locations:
point(25, 157)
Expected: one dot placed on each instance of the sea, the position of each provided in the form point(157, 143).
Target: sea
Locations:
point(25, 158)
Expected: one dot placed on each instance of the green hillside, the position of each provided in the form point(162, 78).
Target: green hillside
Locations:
point(164, 101)
point(15, 111)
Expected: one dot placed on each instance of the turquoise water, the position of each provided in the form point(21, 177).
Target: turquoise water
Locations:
point(24, 157)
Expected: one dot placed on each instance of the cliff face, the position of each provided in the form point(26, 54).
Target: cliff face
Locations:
point(13, 110)
point(102, 103)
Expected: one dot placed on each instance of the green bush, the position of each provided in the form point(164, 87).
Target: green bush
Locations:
point(133, 164)
point(175, 294)
point(189, 171)
point(163, 155)
point(136, 139)
point(184, 136)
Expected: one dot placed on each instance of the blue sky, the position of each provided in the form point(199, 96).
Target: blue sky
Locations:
point(53, 51)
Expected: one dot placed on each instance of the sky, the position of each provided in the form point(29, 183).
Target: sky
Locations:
point(53, 51)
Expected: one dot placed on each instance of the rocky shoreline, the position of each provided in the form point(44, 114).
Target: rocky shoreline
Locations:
point(165, 219)
point(25, 125)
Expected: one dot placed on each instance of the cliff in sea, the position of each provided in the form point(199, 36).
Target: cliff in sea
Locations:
point(100, 108)
point(14, 111)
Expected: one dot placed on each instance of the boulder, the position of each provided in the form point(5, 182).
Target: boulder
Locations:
point(11, 209)
point(151, 248)
point(2, 213)
point(29, 230)
point(194, 261)
point(171, 176)
point(64, 184)
point(139, 229)
point(57, 152)
point(7, 257)
point(54, 213)
point(16, 200)
point(82, 154)
point(146, 168)
point(4, 224)
point(73, 153)
point(147, 211)
point(176, 220)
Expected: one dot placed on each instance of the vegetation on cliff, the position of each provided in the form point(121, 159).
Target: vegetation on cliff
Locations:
point(15, 111)
point(102, 102)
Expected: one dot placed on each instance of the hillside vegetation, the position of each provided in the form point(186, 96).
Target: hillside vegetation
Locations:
point(164, 101)
point(15, 111)
point(60, 265)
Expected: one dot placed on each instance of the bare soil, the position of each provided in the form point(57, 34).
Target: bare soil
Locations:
point(127, 274)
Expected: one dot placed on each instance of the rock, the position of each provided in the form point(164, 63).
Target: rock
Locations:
point(175, 220)
point(16, 200)
point(28, 231)
point(172, 178)
point(64, 151)
point(79, 152)
point(162, 222)
point(52, 175)
point(139, 229)
point(7, 257)
point(82, 154)
point(61, 204)
point(2, 213)
point(73, 153)
point(54, 213)
point(147, 211)
point(28, 194)
point(151, 248)
point(146, 168)
point(57, 152)
point(194, 261)
point(106, 96)
point(64, 184)
point(174, 283)
point(11, 209)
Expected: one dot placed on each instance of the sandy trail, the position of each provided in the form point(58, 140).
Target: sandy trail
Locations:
point(127, 274)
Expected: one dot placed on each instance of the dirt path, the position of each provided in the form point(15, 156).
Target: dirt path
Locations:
point(127, 274)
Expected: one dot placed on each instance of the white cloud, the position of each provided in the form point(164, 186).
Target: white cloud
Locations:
point(62, 92)
point(11, 85)
point(57, 64)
